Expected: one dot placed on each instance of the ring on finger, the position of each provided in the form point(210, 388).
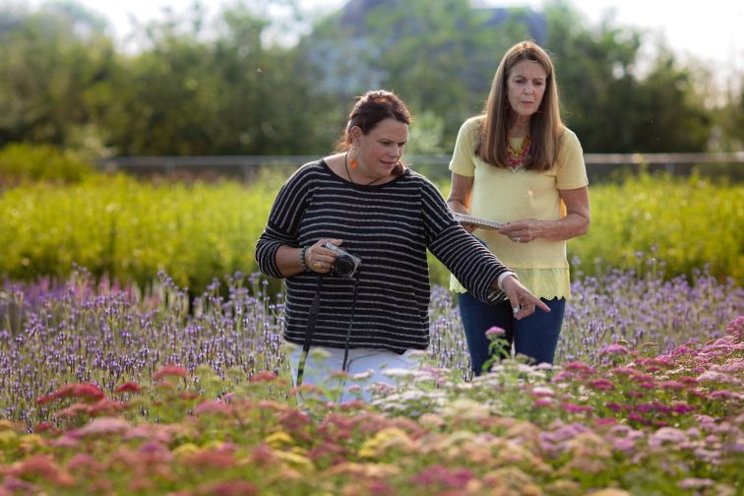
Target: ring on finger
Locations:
point(518, 238)
point(317, 265)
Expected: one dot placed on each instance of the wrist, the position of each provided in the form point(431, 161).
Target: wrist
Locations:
point(303, 265)
point(502, 277)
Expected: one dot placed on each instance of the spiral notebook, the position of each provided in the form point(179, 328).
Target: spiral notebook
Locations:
point(478, 221)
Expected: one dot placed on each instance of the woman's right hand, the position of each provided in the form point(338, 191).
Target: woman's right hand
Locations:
point(319, 259)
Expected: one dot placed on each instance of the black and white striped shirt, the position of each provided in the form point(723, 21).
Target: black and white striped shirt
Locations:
point(390, 226)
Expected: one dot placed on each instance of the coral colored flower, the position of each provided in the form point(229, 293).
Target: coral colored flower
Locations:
point(171, 370)
point(128, 387)
point(85, 391)
point(43, 466)
point(104, 426)
point(263, 376)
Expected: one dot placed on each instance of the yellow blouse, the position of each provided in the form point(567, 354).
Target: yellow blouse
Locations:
point(505, 195)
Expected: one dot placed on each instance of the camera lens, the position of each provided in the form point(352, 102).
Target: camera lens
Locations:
point(344, 266)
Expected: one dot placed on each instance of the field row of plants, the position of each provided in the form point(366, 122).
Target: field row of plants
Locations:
point(130, 230)
point(105, 389)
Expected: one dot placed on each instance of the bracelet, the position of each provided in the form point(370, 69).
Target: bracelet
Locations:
point(302, 258)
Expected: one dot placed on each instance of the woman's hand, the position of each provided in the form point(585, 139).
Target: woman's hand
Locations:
point(319, 259)
point(523, 302)
point(522, 231)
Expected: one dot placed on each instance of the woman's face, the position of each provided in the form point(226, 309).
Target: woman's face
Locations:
point(382, 148)
point(526, 87)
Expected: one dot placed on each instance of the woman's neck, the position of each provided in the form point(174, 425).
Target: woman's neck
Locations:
point(519, 128)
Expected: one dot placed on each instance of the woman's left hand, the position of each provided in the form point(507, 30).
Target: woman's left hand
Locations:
point(523, 302)
point(521, 231)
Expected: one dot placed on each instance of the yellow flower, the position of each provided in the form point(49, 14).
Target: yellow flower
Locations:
point(31, 443)
point(8, 438)
point(295, 460)
point(384, 439)
point(609, 492)
point(5, 425)
point(185, 449)
point(370, 470)
point(279, 439)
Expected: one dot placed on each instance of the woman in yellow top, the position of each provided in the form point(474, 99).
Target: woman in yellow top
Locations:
point(518, 164)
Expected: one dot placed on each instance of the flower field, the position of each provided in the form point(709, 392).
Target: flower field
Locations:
point(107, 389)
point(141, 354)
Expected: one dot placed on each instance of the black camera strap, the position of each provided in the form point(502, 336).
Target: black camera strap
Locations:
point(351, 321)
point(312, 317)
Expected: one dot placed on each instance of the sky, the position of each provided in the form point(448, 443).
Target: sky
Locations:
point(709, 30)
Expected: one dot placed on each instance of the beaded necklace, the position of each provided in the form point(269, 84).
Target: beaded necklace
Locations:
point(516, 159)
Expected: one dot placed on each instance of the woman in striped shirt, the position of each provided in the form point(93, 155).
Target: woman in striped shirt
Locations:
point(370, 312)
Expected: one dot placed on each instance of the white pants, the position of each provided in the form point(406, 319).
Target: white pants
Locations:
point(367, 364)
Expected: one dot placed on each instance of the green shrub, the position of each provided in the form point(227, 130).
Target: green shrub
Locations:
point(21, 162)
point(129, 230)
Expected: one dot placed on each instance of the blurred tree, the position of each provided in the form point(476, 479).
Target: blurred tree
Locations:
point(439, 56)
point(608, 99)
point(234, 93)
point(56, 64)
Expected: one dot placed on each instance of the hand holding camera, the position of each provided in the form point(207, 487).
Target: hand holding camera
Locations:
point(345, 264)
point(339, 263)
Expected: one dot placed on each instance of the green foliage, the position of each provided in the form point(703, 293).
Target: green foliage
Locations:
point(685, 223)
point(243, 86)
point(129, 231)
point(55, 76)
point(611, 100)
point(23, 162)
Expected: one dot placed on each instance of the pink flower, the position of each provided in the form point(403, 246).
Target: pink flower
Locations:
point(574, 408)
point(602, 384)
point(263, 376)
point(171, 370)
point(42, 466)
point(89, 392)
point(615, 349)
point(128, 387)
point(736, 329)
point(495, 332)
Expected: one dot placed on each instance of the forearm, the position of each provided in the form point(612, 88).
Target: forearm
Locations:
point(289, 261)
point(571, 226)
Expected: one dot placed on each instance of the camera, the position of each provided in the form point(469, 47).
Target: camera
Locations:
point(346, 264)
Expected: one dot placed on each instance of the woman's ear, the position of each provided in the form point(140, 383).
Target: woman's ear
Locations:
point(355, 133)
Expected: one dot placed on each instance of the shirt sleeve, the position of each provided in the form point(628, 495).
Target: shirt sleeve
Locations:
point(463, 255)
point(283, 224)
point(463, 155)
point(571, 170)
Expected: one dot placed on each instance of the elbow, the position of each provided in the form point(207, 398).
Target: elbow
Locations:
point(584, 226)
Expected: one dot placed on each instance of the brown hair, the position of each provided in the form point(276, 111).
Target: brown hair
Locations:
point(369, 110)
point(546, 125)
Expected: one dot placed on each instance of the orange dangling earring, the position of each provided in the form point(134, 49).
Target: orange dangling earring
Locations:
point(354, 155)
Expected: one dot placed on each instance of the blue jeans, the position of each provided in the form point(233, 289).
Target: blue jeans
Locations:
point(535, 336)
